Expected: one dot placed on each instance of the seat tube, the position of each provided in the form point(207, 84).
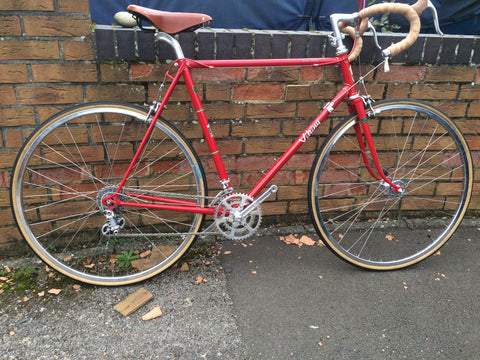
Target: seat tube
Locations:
point(207, 131)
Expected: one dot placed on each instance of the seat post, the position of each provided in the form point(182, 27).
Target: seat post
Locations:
point(172, 42)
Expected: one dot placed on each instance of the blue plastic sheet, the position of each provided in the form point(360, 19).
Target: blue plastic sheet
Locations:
point(456, 17)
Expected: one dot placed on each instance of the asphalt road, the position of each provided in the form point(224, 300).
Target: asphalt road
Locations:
point(262, 299)
point(305, 303)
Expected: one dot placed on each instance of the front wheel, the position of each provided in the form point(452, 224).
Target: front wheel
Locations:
point(77, 158)
point(365, 222)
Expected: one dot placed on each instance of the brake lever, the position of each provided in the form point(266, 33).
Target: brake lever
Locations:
point(435, 17)
point(371, 27)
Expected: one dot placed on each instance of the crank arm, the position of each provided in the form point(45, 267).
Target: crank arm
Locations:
point(272, 190)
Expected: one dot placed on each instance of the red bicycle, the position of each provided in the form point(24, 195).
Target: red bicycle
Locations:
point(110, 193)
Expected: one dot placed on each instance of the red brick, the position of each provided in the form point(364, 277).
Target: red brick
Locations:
point(434, 91)
point(27, 5)
point(214, 92)
point(13, 138)
point(16, 117)
point(226, 147)
point(37, 95)
point(398, 90)
point(64, 72)
point(57, 25)
point(177, 112)
point(297, 127)
point(470, 92)
point(253, 129)
point(78, 50)
point(292, 192)
point(28, 50)
point(271, 111)
point(13, 73)
point(114, 72)
point(44, 112)
point(374, 90)
point(219, 74)
point(451, 74)
point(128, 93)
point(311, 73)
point(224, 111)
point(276, 74)
point(474, 110)
point(7, 96)
point(7, 157)
point(73, 6)
point(147, 72)
point(310, 109)
point(298, 207)
point(10, 26)
point(310, 92)
point(258, 92)
point(273, 145)
point(362, 70)
point(4, 179)
point(300, 161)
point(454, 109)
point(274, 208)
point(252, 162)
point(402, 73)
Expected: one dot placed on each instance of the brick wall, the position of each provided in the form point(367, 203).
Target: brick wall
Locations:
point(51, 59)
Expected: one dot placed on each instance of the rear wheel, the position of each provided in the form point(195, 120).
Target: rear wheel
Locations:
point(363, 220)
point(78, 157)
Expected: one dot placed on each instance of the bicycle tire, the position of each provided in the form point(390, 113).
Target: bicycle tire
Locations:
point(361, 220)
point(78, 156)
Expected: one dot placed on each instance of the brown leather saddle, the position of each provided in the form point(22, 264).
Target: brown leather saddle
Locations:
point(167, 21)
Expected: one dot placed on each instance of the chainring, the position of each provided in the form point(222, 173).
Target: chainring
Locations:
point(230, 221)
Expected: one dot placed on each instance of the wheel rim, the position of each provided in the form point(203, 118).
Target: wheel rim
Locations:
point(71, 161)
point(372, 227)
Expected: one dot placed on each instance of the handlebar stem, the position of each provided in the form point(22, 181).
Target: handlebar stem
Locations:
point(349, 19)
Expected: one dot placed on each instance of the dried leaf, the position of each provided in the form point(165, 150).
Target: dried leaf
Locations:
point(26, 298)
point(67, 258)
point(199, 280)
point(145, 254)
point(89, 266)
point(55, 291)
point(227, 252)
point(77, 287)
point(307, 241)
point(254, 272)
point(41, 293)
point(389, 237)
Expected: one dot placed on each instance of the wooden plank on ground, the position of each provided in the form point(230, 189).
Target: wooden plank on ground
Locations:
point(133, 302)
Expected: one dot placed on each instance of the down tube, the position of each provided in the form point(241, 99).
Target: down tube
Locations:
point(332, 105)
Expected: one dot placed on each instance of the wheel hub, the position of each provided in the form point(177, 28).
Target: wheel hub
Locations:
point(387, 190)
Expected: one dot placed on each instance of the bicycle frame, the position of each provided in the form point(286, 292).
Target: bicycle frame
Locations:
point(355, 104)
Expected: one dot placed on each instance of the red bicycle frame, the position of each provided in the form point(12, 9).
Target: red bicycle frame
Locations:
point(355, 104)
